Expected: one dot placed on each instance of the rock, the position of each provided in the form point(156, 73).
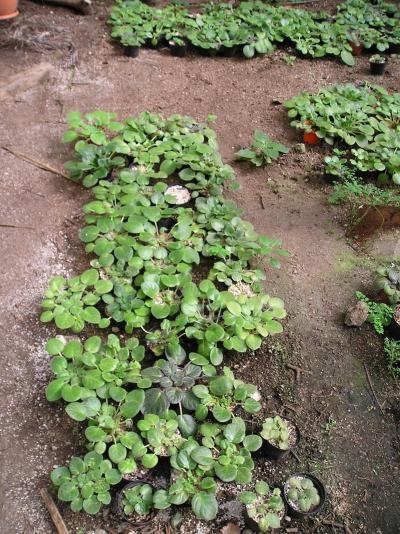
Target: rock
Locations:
point(356, 315)
point(230, 528)
point(300, 148)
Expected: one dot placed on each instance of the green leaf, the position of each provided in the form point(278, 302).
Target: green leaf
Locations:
point(68, 491)
point(227, 473)
point(95, 434)
point(54, 346)
point(202, 455)
point(347, 58)
point(91, 315)
point(252, 442)
point(117, 453)
point(205, 506)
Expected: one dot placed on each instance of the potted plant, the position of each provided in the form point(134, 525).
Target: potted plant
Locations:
point(377, 64)
point(280, 436)
point(304, 495)
point(264, 508)
point(8, 9)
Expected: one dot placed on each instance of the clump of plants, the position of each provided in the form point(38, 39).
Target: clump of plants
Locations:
point(302, 493)
point(257, 27)
point(262, 150)
point(388, 280)
point(264, 506)
point(392, 351)
point(364, 118)
point(142, 402)
point(380, 314)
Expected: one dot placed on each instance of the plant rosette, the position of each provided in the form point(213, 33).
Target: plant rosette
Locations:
point(193, 481)
point(280, 436)
point(304, 495)
point(138, 502)
point(264, 508)
point(222, 395)
point(162, 435)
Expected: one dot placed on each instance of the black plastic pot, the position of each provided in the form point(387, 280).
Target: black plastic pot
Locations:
point(293, 512)
point(131, 51)
point(275, 453)
point(118, 508)
point(330, 178)
point(377, 69)
point(394, 330)
point(228, 51)
point(178, 50)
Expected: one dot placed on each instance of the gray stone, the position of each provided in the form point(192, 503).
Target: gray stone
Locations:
point(356, 315)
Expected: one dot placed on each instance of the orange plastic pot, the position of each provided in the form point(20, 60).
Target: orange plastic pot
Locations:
point(356, 48)
point(8, 9)
point(310, 138)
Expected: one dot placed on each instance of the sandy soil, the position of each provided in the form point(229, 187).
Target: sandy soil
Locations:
point(357, 458)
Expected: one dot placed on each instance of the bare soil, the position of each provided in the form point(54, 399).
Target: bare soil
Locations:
point(346, 440)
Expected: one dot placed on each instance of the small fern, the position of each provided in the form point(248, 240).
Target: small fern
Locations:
point(379, 314)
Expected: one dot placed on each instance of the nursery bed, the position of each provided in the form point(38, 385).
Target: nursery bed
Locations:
point(357, 459)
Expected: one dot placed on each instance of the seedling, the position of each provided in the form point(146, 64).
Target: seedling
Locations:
point(276, 431)
point(264, 506)
point(262, 151)
point(302, 494)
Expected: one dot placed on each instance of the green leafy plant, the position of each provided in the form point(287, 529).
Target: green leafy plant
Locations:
point(379, 314)
point(364, 117)
point(392, 351)
point(223, 394)
point(138, 500)
point(174, 386)
point(87, 372)
point(377, 58)
point(276, 431)
point(229, 449)
point(262, 151)
point(162, 435)
point(146, 253)
point(86, 482)
point(70, 304)
point(257, 26)
point(264, 506)
point(302, 493)
point(194, 481)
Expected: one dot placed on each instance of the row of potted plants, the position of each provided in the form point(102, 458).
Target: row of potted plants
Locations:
point(361, 119)
point(176, 266)
point(254, 28)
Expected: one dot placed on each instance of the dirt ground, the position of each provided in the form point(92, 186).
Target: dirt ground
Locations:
point(346, 440)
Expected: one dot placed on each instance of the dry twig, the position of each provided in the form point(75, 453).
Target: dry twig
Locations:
point(40, 164)
point(372, 389)
point(298, 370)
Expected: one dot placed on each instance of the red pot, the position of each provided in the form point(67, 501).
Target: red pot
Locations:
point(310, 138)
point(8, 9)
point(356, 48)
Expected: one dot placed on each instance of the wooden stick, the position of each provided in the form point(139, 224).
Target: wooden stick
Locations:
point(335, 525)
point(372, 388)
point(40, 164)
point(15, 226)
point(53, 511)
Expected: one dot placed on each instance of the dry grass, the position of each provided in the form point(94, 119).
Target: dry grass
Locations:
point(35, 33)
